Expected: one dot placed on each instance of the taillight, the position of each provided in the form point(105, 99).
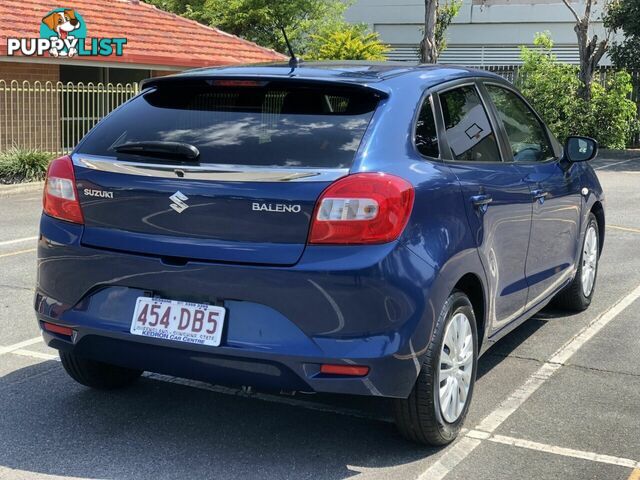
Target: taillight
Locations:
point(362, 208)
point(60, 198)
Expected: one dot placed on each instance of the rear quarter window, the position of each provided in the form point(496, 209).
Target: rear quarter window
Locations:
point(268, 124)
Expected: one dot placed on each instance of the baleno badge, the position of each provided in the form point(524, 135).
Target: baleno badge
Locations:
point(275, 207)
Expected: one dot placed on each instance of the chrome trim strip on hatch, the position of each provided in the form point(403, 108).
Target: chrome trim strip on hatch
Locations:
point(220, 172)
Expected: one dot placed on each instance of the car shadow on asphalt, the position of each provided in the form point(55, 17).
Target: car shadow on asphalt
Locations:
point(158, 429)
point(509, 343)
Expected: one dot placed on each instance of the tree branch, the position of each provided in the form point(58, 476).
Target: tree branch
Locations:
point(573, 10)
point(587, 10)
point(599, 52)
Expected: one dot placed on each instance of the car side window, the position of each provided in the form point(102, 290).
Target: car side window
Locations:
point(527, 135)
point(467, 126)
point(426, 136)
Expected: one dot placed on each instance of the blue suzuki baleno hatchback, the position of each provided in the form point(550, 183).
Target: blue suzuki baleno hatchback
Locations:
point(353, 228)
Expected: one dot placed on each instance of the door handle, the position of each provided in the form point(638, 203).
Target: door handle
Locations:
point(539, 195)
point(481, 201)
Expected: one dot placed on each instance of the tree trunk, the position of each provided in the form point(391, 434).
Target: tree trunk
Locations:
point(586, 67)
point(590, 50)
point(428, 50)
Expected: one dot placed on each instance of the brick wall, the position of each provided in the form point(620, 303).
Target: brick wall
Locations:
point(29, 71)
point(162, 73)
point(29, 117)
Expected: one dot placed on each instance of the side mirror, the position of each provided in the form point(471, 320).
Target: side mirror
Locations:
point(580, 149)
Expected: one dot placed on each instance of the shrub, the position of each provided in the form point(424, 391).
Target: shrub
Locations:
point(552, 86)
point(23, 165)
point(350, 42)
point(613, 117)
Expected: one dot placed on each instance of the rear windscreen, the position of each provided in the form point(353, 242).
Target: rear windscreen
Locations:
point(255, 123)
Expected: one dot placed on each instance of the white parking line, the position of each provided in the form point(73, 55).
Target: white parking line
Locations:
point(624, 229)
point(449, 460)
point(19, 345)
point(18, 240)
point(616, 163)
point(19, 252)
point(565, 452)
point(458, 452)
point(32, 354)
point(472, 439)
point(492, 421)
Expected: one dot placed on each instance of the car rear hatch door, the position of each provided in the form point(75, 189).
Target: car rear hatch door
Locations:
point(219, 170)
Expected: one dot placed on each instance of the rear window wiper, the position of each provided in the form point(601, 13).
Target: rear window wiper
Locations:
point(160, 149)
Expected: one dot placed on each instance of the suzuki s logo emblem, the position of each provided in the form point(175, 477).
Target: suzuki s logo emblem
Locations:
point(179, 200)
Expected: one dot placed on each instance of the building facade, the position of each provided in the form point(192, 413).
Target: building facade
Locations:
point(48, 101)
point(485, 32)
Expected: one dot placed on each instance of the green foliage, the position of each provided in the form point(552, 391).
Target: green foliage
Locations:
point(445, 15)
point(23, 165)
point(551, 87)
point(259, 20)
point(624, 15)
point(350, 42)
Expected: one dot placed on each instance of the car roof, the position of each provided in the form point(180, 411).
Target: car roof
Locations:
point(376, 75)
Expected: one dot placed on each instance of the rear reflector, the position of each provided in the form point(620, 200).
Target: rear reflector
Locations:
point(347, 370)
point(53, 328)
point(362, 208)
point(60, 198)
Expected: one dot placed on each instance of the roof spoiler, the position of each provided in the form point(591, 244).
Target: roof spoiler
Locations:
point(155, 82)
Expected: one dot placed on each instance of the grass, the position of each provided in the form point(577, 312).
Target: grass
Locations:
point(19, 165)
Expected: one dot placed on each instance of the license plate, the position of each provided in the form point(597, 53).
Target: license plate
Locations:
point(178, 321)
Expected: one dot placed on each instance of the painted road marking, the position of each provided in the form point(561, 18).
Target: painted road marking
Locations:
point(565, 452)
point(617, 163)
point(19, 252)
point(19, 345)
point(626, 229)
point(17, 240)
point(32, 354)
point(455, 454)
point(492, 421)
point(467, 443)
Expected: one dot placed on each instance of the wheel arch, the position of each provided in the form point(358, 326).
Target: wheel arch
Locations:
point(598, 211)
point(471, 285)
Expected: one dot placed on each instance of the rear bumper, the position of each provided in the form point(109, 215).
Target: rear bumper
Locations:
point(345, 305)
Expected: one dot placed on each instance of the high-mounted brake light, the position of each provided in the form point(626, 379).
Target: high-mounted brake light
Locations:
point(239, 83)
point(60, 198)
point(362, 208)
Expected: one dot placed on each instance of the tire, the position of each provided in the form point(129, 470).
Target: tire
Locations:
point(578, 294)
point(420, 417)
point(102, 376)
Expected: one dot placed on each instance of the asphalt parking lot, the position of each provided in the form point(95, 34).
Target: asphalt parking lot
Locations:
point(557, 398)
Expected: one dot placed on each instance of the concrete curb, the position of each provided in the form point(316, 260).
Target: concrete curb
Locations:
point(9, 190)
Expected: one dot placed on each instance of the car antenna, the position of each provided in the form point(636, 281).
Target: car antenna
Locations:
point(293, 60)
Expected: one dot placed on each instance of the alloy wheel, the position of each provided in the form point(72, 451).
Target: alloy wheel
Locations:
point(456, 364)
point(589, 260)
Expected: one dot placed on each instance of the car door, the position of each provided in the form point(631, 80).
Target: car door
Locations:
point(555, 190)
point(497, 199)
